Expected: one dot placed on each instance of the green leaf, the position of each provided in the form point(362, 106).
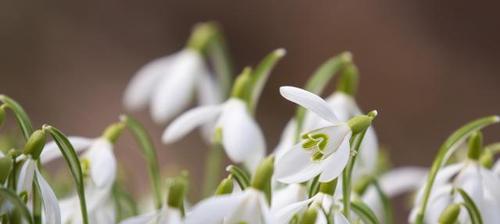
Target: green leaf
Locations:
point(21, 116)
point(313, 187)
point(73, 162)
point(261, 74)
point(364, 212)
point(149, 153)
point(318, 81)
point(6, 194)
point(471, 207)
point(445, 151)
point(241, 177)
point(124, 203)
point(386, 202)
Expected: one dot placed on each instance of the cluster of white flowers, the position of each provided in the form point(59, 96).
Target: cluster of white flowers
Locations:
point(327, 167)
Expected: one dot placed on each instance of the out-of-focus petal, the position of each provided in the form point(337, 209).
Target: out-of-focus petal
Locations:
point(25, 180)
point(190, 120)
point(339, 218)
point(141, 219)
point(52, 213)
point(141, 87)
point(402, 180)
point(214, 209)
point(51, 150)
point(309, 101)
point(102, 163)
point(286, 140)
point(288, 195)
point(284, 215)
point(252, 209)
point(174, 92)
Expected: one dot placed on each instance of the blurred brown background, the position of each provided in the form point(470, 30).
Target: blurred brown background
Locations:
point(427, 66)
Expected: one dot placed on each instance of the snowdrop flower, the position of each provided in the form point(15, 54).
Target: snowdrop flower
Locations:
point(480, 183)
point(324, 151)
point(241, 136)
point(168, 83)
point(29, 172)
point(344, 106)
point(319, 202)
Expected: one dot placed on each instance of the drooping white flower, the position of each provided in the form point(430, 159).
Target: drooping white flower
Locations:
point(242, 138)
point(345, 108)
point(168, 83)
point(479, 183)
point(165, 215)
point(324, 151)
point(321, 202)
point(248, 206)
point(29, 172)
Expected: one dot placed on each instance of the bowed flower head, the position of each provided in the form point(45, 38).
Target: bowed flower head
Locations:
point(324, 151)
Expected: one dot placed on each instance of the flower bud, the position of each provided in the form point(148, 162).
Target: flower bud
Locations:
point(5, 168)
point(450, 214)
point(263, 174)
point(486, 159)
point(348, 82)
point(475, 145)
point(309, 216)
point(177, 188)
point(2, 115)
point(361, 122)
point(225, 186)
point(202, 35)
point(113, 132)
point(35, 144)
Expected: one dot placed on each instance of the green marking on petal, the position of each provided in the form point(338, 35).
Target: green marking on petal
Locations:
point(316, 143)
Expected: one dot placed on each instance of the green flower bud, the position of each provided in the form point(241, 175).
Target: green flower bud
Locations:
point(5, 168)
point(113, 132)
point(263, 174)
point(177, 188)
point(201, 36)
point(328, 187)
point(475, 145)
point(35, 144)
point(361, 122)
point(242, 84)
point(450, 214)
point(486, 159)
point(225, 186)
point(348, 82)
point(309, 216)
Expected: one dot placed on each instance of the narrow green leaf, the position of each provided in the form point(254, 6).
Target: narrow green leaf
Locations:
point(472, 209)
point(445, 151)
point(318, 81)
point(21, 116)
point(364, 212)
point(261, 74)
point(7, 194)
point(149, 153)
point(241, 177)
point(73, 162)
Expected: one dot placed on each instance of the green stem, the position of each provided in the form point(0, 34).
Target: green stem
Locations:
point(386, 202)
point(347, 174)
point(219, 55)
point(213, 166)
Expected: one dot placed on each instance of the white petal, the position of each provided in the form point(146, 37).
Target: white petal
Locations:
point(171, 216)
point(208, 91)
point(241, 136)
point(339, 218)
point(25, 181)
point(102, 163)
point(252, 209)
point(190, 120)
point(310, 101)
point(285, 214)
point(491, 183)
point(401, 180)
point(367, 160)
point(174, 92)
point(286, 140)
point(51, 150)
point(335, 163)
point(141, 219)
point(214, 209)
point(52, 213)
point(296, 166)
point(343, 105)
point(142, 85)
point(288, 195)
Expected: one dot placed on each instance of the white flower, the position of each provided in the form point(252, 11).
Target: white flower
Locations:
point(168, 83)
point(344, 107)
point(29, 172)
point(290, 194)
point(165, 215)
point(242, 138)
point(320, 201)
point(323, 151)
point(99, 161)
point(478, 182)
point(249, 206)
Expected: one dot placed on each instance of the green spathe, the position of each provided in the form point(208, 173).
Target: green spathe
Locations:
point(475, 145)
point(361, 122)
point(177, 188)
point(263, 174)
point(2, 115)
point(202, 34)
point(450, 214)
point(5, 168)
point(113, 131)
point(35, 144)
point(310, 216)
point(225, 186)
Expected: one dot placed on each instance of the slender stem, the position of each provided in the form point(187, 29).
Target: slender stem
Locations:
point(37, 203)
point(347, 174)
point(212, 169)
